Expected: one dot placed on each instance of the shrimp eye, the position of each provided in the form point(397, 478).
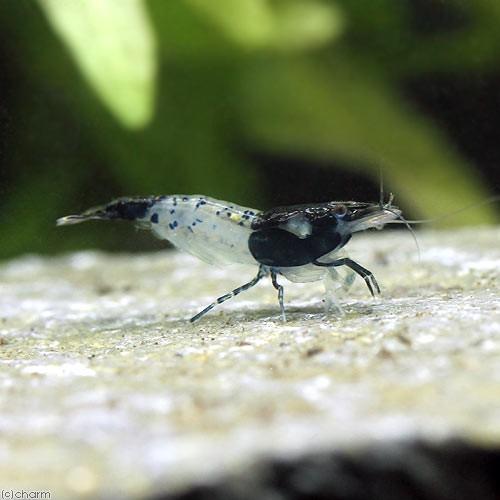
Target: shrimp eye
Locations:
point(340, 210)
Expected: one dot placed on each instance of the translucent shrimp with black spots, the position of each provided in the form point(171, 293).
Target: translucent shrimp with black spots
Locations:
point(302, 243)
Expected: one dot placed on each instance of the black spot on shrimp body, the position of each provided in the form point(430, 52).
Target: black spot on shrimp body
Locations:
point(279, 248)
point(129, 208)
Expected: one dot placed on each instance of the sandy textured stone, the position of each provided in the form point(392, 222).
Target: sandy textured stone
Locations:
point(107, 389)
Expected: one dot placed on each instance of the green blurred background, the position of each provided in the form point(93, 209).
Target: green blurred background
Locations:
point(261, 102)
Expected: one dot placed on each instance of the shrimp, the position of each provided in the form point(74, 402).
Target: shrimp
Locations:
point(301, 243)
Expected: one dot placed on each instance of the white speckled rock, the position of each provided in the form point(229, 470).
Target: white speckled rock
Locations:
point(107, 390)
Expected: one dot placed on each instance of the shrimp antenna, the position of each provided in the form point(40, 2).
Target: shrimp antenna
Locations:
point(381, 190)
point(382, 193)
point(402, 220)
point(387, 206)
point(491, 199)
point(408, 223)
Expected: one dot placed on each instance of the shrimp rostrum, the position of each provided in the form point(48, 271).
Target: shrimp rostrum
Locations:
point(300, 242)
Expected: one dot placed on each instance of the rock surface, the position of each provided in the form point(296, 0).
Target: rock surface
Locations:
point(107, 390)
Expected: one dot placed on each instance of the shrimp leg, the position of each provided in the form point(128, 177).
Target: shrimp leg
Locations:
point(280, 294)
point(367, 275)
point(262, 272)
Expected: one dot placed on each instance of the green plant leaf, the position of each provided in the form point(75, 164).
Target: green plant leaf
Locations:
point(345, 113)
point(113, 45)
point(285, 24)
point(305, 24)
point(249, 22)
